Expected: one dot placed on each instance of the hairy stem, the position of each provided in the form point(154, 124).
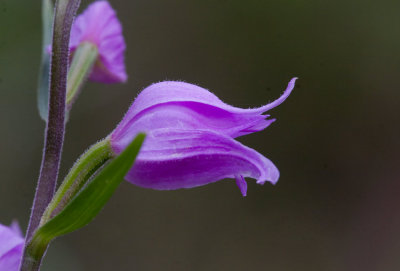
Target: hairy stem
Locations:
point(65, 11)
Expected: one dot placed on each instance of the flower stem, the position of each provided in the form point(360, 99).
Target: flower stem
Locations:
point(80, 173)
point(65, 11)
point(82, 62)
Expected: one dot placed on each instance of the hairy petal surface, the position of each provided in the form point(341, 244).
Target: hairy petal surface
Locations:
point(11, 247)
point(99, 25)
point(186, 106)
point(173, 159)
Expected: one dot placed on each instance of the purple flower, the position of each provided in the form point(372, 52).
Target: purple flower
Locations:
point(11, 247)
point(190, 138)
point(99, 25)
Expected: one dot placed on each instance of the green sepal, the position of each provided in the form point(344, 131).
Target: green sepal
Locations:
point(83, 60)
point(44, 71)
point(88, 202)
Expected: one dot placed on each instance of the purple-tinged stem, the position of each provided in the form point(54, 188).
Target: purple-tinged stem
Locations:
point(65, 11)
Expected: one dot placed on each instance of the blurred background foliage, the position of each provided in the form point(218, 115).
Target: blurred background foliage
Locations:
point(336, 139)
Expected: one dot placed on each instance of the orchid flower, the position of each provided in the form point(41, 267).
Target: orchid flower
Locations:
point(190, 138)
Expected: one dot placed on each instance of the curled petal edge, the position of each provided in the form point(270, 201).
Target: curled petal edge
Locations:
point(175, 91)
point(174, 159)
point(199, 103)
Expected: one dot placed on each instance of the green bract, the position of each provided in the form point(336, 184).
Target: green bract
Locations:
point(88, 202)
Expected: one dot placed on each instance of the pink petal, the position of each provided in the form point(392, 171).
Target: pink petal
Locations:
point(173, 159)
point(11, 246)
point(186, 106)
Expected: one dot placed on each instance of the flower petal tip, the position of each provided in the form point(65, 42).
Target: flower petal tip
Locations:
point(272, 181)
point(291, 84)
point(282, 98)
point(242, 184)
point(16, 228)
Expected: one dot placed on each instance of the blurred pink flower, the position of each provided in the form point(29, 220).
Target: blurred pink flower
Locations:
point(11, 247)
point(99, 25)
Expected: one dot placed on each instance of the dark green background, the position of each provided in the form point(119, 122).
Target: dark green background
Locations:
point(336, 139)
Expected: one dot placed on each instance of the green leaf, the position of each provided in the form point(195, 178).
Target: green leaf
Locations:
point(44, 73)
point(88, 202)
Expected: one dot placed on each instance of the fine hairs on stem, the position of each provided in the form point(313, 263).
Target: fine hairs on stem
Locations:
point(65, 11)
